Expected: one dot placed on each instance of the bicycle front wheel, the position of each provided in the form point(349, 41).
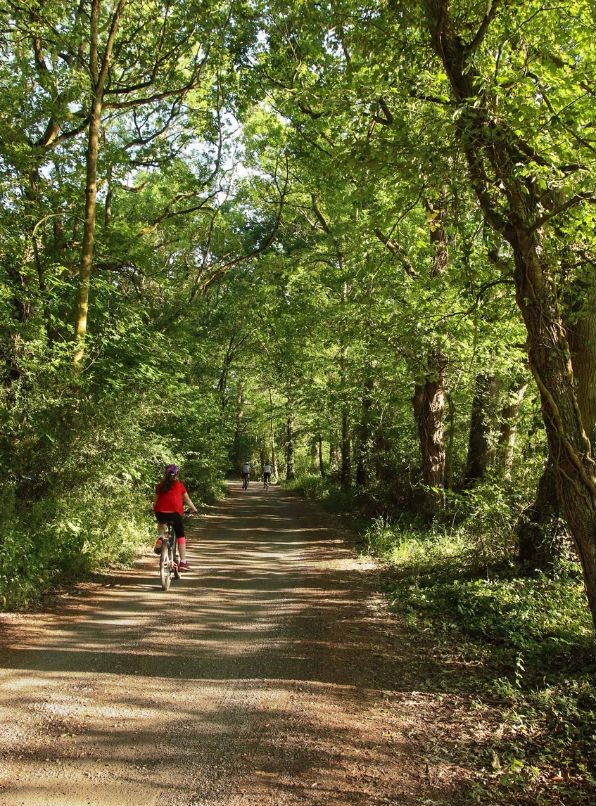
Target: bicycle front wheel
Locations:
point(165, 567)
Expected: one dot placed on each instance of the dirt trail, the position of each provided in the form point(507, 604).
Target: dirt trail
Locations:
point(270, 675)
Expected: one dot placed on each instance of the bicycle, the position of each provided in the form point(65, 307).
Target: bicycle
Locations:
point(266, 481)
point(169, 558)
point(245, 481)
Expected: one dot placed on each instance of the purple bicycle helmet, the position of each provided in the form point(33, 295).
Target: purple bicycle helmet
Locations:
point(172, 470)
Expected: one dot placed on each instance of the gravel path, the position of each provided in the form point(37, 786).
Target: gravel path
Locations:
point(269, 675)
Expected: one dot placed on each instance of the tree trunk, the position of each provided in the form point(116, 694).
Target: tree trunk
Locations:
point(550, 362)
point(333, 456)
point(99, 74)
point(314, 454)
point(449, 452)
point(322, 470)
point(363, 436)
point(508, 431)
point(239, 457)
point(346, 458)
point(88, 231)
point(481, 447)
point(581, 332)
point(429, 406)
point(272, 436)
point(361, 474)
point(381, 452)
point(429, 396)
point(539, 529)
point(290, 472)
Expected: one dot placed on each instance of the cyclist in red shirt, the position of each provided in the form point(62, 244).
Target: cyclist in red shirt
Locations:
point(170, 497)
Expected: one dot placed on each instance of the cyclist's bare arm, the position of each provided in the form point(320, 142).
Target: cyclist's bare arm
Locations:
point(189, 503)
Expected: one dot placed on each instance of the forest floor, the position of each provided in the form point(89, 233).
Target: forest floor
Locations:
point(272, 674)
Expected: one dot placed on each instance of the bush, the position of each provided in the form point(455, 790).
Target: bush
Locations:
point(315, 487)
point(312, 486)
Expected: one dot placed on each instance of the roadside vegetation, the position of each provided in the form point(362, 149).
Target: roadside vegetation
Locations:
point(531, 636)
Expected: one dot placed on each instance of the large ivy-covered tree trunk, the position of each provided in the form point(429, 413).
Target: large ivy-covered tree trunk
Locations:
point(581, 333)
point(538, 528)
point(512, 204)
point(569, 446)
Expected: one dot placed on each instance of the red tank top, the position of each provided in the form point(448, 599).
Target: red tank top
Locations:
point(172, 501)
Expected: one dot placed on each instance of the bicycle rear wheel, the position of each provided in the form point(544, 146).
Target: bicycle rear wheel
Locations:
point(165, 568)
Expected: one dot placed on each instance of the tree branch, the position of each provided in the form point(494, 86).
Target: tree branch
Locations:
point(573, 201)
point(395, 249)
point(481, 33)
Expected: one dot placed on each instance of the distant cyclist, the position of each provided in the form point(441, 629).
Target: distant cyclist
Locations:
point(266, 475)
point(245, 475)
point(170, 497)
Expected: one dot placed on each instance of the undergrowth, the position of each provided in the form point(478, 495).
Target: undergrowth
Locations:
point(533, 637)
point(316, 487)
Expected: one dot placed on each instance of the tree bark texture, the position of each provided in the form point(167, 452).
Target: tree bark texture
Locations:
point(429, 396)
point(538, 529)
point(581, 332)
point(99, 74)
point(429, 407)
point(314, 453)
point(333, 456)
point(88, 231)
point(272, 436)
point(383, 466)
point(290, 471)
point(450, 442)
point(508, 429)
point(239, 427)
point(363, 436)
point(481, 446)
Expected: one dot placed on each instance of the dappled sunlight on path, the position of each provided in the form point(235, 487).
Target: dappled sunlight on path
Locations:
point(270, 674)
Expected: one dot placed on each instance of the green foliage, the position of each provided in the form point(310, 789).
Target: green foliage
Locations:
point(324, 490)
point(313, 486)
point(534, 638)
